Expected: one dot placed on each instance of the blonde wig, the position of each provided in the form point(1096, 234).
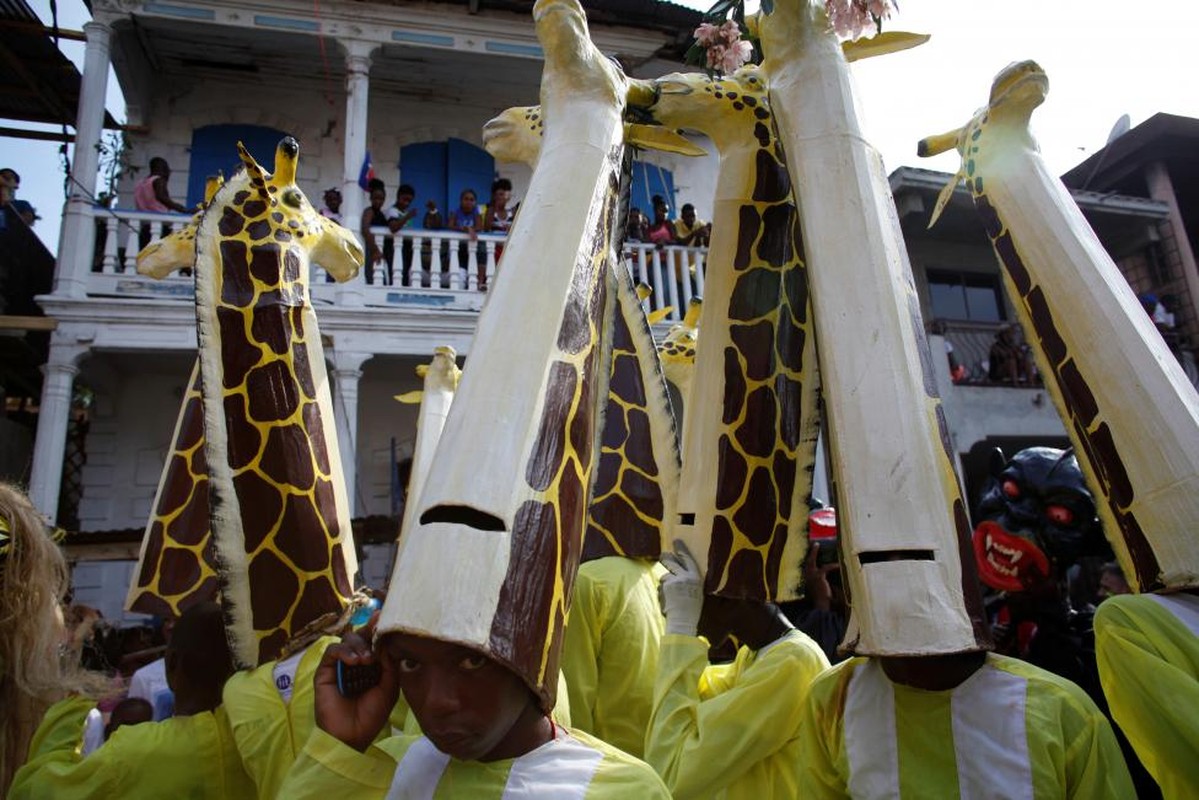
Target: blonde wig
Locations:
point(35, 668)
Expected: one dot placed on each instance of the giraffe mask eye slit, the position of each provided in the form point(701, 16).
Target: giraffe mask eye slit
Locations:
point(293, 198)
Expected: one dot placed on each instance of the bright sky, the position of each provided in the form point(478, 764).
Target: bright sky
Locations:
point(1103, 59)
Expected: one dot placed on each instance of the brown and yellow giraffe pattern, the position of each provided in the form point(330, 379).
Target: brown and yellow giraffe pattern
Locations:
point(177, 564)
point(279, 511)
point(767, 394)
point(559, 469)
point(636, 475)
point(676, 351)
point(635, 485)
point(997, 152)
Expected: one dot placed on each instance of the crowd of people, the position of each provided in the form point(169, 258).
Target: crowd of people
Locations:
point(719, 697)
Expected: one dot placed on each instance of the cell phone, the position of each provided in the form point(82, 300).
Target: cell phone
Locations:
point(354, 680)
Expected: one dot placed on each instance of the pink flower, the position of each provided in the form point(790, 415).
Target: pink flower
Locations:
point(715, 56)
point(735, 56)
point(707, 34)
point(730, 31)
point(849, 19)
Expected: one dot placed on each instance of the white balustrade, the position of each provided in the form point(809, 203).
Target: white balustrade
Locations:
point(421, 261)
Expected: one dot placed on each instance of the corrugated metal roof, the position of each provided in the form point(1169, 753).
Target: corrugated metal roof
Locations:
point(37, 82)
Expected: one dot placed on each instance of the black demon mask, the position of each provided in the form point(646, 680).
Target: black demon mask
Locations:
point(1036, 517)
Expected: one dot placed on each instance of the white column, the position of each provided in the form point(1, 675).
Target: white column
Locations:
point(1162, 188)
point(78, 234)
point(358, 66)
point(347, 371)
point(54, 413)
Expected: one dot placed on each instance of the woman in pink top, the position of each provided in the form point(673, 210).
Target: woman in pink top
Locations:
point(151, 194)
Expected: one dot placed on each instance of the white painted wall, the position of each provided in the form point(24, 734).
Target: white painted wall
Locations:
point(136, 404)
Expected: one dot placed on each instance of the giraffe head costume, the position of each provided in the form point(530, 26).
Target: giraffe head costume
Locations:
point(279, 512)
point(636, 474)
point(1131, 413)
point(441, 377)
point(908, 563)
point(504, 507)
point(750, 453)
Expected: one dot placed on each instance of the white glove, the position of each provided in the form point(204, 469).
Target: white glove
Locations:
point(682, 591)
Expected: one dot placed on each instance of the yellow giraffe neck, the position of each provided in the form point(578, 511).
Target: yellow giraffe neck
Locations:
point(280, 515)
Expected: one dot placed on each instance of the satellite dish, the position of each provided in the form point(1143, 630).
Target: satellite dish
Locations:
point(1120, 128)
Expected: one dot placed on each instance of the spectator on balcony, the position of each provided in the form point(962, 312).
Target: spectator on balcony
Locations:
point(10, 182)
point(151, 194)
point(635, 228)
point(332, 208)
point(373, 216)
point(661, 230)
point(499, 217)
point(467, 219)
point(690, 231)
point(400, 216)
point(1010, 361)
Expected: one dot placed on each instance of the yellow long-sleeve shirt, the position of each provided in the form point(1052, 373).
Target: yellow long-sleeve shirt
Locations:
point(192, 757)
point(573, 765)
point(1148, 652)
point(730, 731)
point(610, 651)
point(1010, 730)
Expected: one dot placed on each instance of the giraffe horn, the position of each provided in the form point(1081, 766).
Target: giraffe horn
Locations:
point(257, 176)
point(691, 318)
point(943, 197)
point(939, 143)
point(287, 158)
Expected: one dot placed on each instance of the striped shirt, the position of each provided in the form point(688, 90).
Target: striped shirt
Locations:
point(1010, 730)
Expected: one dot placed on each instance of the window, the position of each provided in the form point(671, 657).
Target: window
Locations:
point(971, 296)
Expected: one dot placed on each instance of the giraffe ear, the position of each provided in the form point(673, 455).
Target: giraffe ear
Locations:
point(257, 176)
point(211, 185)
point(654, 317)
point(409, 398)
point(882, 44)
point(943, 197)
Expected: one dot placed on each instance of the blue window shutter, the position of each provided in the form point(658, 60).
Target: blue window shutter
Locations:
point(423, 166)
point(649, 180)
point(214, 149)
point(470, 167)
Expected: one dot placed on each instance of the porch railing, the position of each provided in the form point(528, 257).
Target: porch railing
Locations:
point(431, 268)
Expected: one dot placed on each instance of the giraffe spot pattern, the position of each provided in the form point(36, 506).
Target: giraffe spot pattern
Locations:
point(769, 408)
point(548, 532)
point(1089, 432)
point(166, 583)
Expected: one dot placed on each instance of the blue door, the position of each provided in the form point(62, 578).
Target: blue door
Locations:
point(440, 171)
point(468, 167)
point(214, 149)
point(422, 166)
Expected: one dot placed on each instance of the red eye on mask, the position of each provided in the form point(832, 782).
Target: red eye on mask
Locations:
point(1059, 515)
point(1011, 489)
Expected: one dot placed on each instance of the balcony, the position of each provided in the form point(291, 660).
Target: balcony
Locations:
point(424, 269)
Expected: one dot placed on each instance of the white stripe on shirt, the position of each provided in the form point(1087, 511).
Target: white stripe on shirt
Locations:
point(1183, 606)
point(418, 773)
point(561, 769)
point(871, 743)
point(990, 736)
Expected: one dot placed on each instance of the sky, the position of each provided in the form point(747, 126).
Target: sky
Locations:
point(1104, 59)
